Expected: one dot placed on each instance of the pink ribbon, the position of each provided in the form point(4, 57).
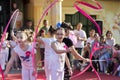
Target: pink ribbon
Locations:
point(99, 31)
point(1, 72)
point(91, 6)
point(3, 36)
point(36, 31)
point(95, 48)
point(86, 15)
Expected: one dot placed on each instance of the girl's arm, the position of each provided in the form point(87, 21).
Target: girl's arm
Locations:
point(35, 66)
point(13, 36)
point(67, 62)
point(76, 54)
point(38, 39)
point(115, 72)
point(9, 64)
point(68, 65)
point(58, 51)
point(8, 44)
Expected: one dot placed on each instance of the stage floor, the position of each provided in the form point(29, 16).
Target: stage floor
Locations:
point(86, 76)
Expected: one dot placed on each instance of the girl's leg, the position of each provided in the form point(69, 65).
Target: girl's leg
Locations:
point(57, 75)
point(101, 63)
point(47, 71)
point(25, 74)
point(32, 77)
point(42, 50)
point(61, 75)
point(119, 73)
point(3, 61)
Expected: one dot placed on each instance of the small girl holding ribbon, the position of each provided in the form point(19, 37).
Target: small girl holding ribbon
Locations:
point(24, 51)
point(60, 57)
point(51, 56)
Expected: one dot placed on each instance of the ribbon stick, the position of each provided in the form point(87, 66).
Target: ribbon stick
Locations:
point(3, 36)
point(99, 31)
point(36, 31)
point(98, 60)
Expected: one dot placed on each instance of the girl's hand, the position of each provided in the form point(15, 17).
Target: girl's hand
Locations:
point(70, 71)
point(5, 74)
point(87, 60)
point(34, 73)
point(67, 50)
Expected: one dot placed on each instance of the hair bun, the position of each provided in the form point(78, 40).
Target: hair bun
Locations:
point(51, 29)
point(66, 25)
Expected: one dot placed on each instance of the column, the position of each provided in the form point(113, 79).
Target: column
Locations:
point(56, 13)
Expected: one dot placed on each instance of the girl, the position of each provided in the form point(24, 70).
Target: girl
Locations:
point(104, 55)
point(60, 56)
point(24, 51)
point(60, 47)
point(12, 44)
point(109, 38)
point(50, 57)
point(4, 52)
point(96, 53)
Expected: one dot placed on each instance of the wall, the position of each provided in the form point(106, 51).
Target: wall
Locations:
point(34, 10)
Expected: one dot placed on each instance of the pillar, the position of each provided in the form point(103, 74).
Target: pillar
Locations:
point(56, 13)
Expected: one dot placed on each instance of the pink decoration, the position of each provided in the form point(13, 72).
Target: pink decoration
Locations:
point(65, 47)
point(28, 53)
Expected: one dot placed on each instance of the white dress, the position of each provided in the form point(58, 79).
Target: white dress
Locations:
point(49, 57)
point(54, 63)
point(4, 52)
point(27, 62)
point(59, 61)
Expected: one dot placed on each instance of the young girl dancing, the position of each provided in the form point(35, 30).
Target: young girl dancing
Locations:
point(51, 56)
point(24, 51)
point(59, 51)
